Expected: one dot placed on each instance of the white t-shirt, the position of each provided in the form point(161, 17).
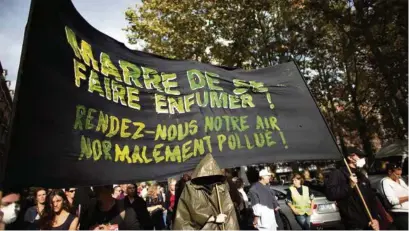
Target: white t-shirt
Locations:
point(245, 198)
point(144, 193)
point(393, 191)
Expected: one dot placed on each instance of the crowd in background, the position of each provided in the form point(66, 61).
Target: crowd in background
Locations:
point(125, 206)
point(152, 206)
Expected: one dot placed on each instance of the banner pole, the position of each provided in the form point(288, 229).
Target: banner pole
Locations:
point(335, 140)
point(220, 204)
point(359, 192)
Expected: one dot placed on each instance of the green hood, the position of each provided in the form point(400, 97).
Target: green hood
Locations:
point(207, 167)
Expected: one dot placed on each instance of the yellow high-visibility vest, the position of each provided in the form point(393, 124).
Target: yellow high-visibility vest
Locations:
point(301, 202)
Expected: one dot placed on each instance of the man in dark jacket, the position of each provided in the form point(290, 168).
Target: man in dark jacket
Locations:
point(341, 187)
point(132, 200)
point(105, 212)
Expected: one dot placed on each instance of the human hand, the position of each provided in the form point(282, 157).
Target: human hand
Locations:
point(353, 181)
point(277, 209)
point(255, 222)
point(221, 218)
point(374, 224)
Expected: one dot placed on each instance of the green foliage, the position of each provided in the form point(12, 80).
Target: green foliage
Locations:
point(353, 53)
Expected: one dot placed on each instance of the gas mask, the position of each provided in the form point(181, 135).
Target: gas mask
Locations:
point(361, 162)
point(10, 213)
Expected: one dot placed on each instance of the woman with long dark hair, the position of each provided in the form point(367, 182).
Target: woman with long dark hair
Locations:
point(56, 214)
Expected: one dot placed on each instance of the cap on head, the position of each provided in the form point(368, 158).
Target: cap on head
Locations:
point(264, 172)
point(393, 166)
point(352, 150)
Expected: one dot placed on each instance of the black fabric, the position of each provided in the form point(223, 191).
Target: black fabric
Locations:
point(384, 199)
point(353, 150)
point(157, 214)
point(97, 217)
point(30, 214)
point(140, 208)
point(350, 205)
point(400, 221)
point(262, 194)
point(82, 119)
point(170, 211)
point(168, 194)
point(30, 223)
point(66, 224)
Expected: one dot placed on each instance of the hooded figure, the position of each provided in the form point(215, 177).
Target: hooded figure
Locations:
point(198, 206)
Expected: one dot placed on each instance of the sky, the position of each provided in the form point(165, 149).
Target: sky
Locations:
point(14, 15)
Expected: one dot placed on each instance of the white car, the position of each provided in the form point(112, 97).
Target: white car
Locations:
point(325, 213)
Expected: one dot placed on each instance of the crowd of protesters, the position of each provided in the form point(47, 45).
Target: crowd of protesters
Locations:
point(140, 206)
point(153, 206)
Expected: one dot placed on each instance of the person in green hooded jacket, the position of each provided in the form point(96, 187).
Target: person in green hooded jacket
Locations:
point(205, 203)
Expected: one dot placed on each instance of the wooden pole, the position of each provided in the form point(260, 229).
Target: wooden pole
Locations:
point(220, 204)
point(335, 142)
point(359, 192)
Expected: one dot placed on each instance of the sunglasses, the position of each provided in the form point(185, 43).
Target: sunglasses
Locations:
point(72, 191)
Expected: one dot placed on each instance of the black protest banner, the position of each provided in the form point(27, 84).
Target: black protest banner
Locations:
point(90, 111)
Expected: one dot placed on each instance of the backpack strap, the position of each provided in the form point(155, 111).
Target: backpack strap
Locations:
point(386, 203)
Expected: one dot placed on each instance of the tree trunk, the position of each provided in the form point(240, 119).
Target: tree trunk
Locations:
point(359, 119)
point(337, 131)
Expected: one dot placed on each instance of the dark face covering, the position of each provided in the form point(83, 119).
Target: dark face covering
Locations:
point(208, 182)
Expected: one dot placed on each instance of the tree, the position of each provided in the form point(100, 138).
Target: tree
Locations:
point(353, 53)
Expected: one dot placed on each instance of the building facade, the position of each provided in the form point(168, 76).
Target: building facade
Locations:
point(5, 115)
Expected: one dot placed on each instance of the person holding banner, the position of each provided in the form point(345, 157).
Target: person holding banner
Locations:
point(205, 202)
point(341, 187)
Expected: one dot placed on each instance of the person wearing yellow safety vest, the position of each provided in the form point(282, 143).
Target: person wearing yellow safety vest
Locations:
point(300, 200)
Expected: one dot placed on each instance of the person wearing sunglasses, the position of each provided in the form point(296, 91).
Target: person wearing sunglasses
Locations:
point(395, 192)
point(75, 208)
point(300, 200)
point(70, 193)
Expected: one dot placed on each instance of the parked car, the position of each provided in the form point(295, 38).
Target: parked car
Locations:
point(288, 219)
point(325, 213)
point(377, 172)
